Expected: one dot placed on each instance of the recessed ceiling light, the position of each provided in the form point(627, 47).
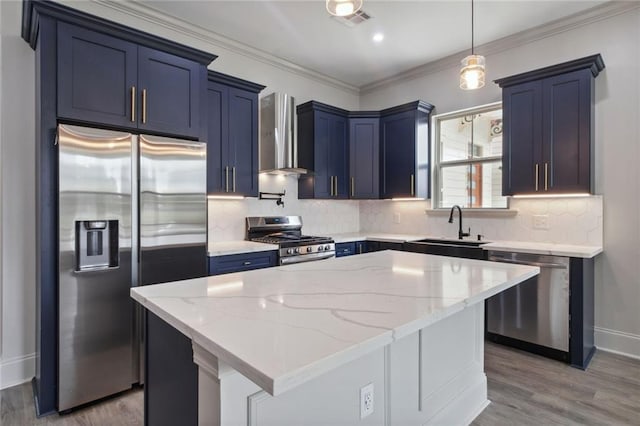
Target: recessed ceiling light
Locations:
point(378, 37)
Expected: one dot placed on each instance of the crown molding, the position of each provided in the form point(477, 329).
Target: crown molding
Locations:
point(558, 26)
point(598, 13)
point(188, 29)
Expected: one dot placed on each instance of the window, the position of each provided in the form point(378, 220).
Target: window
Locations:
point(468, 158)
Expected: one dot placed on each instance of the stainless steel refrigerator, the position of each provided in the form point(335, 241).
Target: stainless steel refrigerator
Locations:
point(132, 211)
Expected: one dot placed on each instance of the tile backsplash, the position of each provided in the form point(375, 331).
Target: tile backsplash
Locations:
point(320, 217)
point(569, 220)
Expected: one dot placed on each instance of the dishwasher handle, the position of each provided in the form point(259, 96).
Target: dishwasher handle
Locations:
point(522, 262)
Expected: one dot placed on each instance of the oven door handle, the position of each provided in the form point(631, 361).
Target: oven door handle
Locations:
point(306, 258)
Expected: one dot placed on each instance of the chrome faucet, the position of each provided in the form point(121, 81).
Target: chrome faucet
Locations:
point(460, 233)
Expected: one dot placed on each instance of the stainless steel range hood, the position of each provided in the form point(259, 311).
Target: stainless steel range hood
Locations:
point(278, 147)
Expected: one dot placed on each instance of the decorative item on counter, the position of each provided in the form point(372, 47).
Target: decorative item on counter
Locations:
point(278, 196)
point(472, 72)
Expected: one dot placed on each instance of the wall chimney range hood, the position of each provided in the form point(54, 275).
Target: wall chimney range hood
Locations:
point(278, 147)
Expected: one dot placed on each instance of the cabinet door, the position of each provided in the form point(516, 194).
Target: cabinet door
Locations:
point(242, 262)
point(345, 249)
point(364, 158)
point(217, 137)
point(398, 155)
point(522, 139)
point(169, 93)
point(567, 135)
point(96, 77)
point(243, 142)
point(322, 129)
point(338, 155)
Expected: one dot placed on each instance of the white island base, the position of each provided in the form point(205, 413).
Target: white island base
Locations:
point(433, 376)
point(294, 345)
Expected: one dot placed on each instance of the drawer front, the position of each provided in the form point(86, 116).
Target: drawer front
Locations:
point(242, 262)
point(345, 249)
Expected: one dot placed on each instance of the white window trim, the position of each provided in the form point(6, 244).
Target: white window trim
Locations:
point(435, 155)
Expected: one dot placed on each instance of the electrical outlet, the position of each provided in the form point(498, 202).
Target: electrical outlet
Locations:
point(366, 400)
point(540, 221)
point(396, 218)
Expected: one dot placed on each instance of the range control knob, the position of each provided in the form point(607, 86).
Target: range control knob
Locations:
point(327, 247)
point(320, 248)
point(289, 251)
point(309, 249)
point(296, 250)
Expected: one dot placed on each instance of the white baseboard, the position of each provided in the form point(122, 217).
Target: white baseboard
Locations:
point(618, 342)
point(17, 370)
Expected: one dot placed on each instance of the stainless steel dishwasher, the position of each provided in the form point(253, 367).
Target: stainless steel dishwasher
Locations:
point(535, 312)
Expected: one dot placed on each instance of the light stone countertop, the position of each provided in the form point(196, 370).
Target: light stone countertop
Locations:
point(545, 248)
point(236, 247)
point(283, 326)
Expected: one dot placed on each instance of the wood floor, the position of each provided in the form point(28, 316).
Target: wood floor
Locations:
point(524, 389)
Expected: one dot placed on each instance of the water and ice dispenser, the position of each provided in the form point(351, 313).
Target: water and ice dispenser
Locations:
point(96, 244)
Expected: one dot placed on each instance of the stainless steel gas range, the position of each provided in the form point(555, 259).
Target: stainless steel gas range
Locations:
point(286, 232)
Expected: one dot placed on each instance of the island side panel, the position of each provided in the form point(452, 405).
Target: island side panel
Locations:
point(171, 377)
point(434, 376)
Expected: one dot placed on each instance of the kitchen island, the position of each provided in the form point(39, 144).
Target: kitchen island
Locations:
point(297, 344)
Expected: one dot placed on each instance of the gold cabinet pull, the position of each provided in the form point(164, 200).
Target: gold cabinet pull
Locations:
point(353, 186)
point(413, 185)
point(537, 175)
point(144, 106)
point(336, 184)
point(226, 178)
point(133, 104)
point(546, 176)
point(331, 186)
point(233, 174)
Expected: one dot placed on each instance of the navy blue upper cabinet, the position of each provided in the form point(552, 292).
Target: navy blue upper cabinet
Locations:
point(364, 157)
point(322, 149)
point(169, 88)
point(404, 151)
point(97, 75)
point(548, 128)
point(232, 135)
point(106, 80)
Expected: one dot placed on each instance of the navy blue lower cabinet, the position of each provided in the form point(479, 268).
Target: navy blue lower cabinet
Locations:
point(345, 249)
point(362, 247)
point(171, 376)
point(242, 262)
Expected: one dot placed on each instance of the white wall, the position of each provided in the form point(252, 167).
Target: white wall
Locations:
point(617, 149)
point(17, 142)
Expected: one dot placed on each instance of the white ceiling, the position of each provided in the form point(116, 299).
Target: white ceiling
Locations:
point(416, 32)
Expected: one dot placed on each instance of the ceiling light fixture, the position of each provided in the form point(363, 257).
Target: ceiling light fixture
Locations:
point(343, 7)
point(472, 72)
point(378, 37)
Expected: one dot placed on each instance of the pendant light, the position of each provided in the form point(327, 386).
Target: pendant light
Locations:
point(472, 71)
point(343, 7)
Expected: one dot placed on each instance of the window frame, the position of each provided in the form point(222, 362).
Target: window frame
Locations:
point(436, 171)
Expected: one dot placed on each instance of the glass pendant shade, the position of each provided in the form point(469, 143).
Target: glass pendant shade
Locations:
point(343, 7)
point(472, 72)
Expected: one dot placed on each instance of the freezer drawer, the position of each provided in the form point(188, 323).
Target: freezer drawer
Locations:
point(537, 310)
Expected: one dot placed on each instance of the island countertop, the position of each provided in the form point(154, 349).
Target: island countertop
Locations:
point(281, 327)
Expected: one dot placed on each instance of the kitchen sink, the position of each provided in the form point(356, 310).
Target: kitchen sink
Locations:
point(462, 243)
point(455, 248)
